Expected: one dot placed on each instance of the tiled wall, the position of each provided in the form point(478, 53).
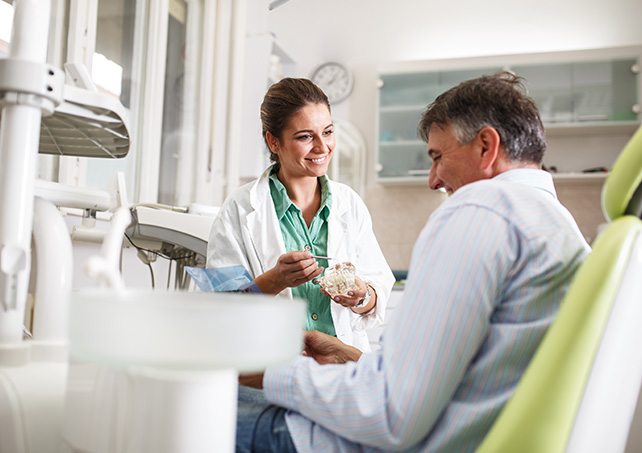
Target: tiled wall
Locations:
point(398, 215)
point(400, 212)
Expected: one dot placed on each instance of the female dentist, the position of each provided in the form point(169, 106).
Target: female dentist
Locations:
point(279, 225)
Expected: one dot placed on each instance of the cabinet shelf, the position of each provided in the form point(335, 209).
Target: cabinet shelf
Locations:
point(404, 180)
point(591, 128)
point(579, 177)
point(401, 143)
point(402, 108)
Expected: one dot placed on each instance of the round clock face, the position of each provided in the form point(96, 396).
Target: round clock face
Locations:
point(334, 79)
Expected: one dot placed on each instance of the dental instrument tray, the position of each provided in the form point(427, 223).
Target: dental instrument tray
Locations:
point(176, 232)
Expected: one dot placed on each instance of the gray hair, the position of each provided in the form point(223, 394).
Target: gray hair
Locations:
point(499, 101)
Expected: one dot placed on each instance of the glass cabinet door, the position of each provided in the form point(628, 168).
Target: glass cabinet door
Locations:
point(551, 87)
point(623, 86)
point(592, 96)
point(583, 91)
point(402, 100)
point(408, 90)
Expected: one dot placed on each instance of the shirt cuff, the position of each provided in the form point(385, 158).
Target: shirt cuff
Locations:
point(278, 383)
point(250, 288)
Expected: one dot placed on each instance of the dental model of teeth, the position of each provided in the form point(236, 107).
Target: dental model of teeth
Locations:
point(339, 279)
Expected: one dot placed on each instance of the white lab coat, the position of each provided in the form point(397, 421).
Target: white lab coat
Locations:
point(246, 232)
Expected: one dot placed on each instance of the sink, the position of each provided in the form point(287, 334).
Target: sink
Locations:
point(156, 372)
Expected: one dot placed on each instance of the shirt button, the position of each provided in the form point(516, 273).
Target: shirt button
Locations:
point(315, 316)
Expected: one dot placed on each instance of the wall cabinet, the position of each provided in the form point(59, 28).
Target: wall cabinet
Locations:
point(579, 94)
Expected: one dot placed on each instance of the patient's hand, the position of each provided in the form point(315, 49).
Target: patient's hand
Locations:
point(327, 349)
point(252, 380)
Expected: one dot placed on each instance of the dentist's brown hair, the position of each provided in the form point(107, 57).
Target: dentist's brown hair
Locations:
point(284, 99)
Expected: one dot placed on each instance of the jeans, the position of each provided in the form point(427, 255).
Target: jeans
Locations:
point(260, 426)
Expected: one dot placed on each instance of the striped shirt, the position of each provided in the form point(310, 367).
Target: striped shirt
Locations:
point(487, 275)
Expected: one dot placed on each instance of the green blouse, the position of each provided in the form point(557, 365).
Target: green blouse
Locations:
point(296, 235)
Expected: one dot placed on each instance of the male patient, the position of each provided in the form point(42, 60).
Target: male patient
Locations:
point(487, 275)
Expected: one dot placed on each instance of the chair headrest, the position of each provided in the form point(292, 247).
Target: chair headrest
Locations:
point(622, 190)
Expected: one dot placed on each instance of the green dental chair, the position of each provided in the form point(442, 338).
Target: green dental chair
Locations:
point(579, 393)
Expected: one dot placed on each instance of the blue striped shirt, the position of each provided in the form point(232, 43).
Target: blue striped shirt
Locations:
point(487, 275)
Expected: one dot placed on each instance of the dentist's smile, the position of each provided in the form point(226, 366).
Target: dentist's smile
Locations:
point(318, 160)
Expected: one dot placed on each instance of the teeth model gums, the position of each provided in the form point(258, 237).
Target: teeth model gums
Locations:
point(339, 279)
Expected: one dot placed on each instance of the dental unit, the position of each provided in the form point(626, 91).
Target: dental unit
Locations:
point(107, 369)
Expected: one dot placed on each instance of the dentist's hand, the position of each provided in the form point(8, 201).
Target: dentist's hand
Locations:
point(354, 297)
point(292, 269)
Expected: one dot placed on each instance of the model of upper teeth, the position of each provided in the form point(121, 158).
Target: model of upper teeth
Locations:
point(339, 279)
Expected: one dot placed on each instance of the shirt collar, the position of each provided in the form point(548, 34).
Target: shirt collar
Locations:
point(326, 197)
point(539, 179)
point(282, 201)
point(279, 194)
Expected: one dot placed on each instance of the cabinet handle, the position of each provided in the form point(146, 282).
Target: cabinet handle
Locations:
point(419, 172)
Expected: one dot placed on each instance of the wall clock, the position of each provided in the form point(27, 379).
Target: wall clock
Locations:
point(334, 79)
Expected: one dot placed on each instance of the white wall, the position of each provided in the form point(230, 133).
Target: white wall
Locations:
point(372, 31)
point(367, 33)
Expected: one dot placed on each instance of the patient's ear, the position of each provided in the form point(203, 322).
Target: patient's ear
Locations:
point(489, 142)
